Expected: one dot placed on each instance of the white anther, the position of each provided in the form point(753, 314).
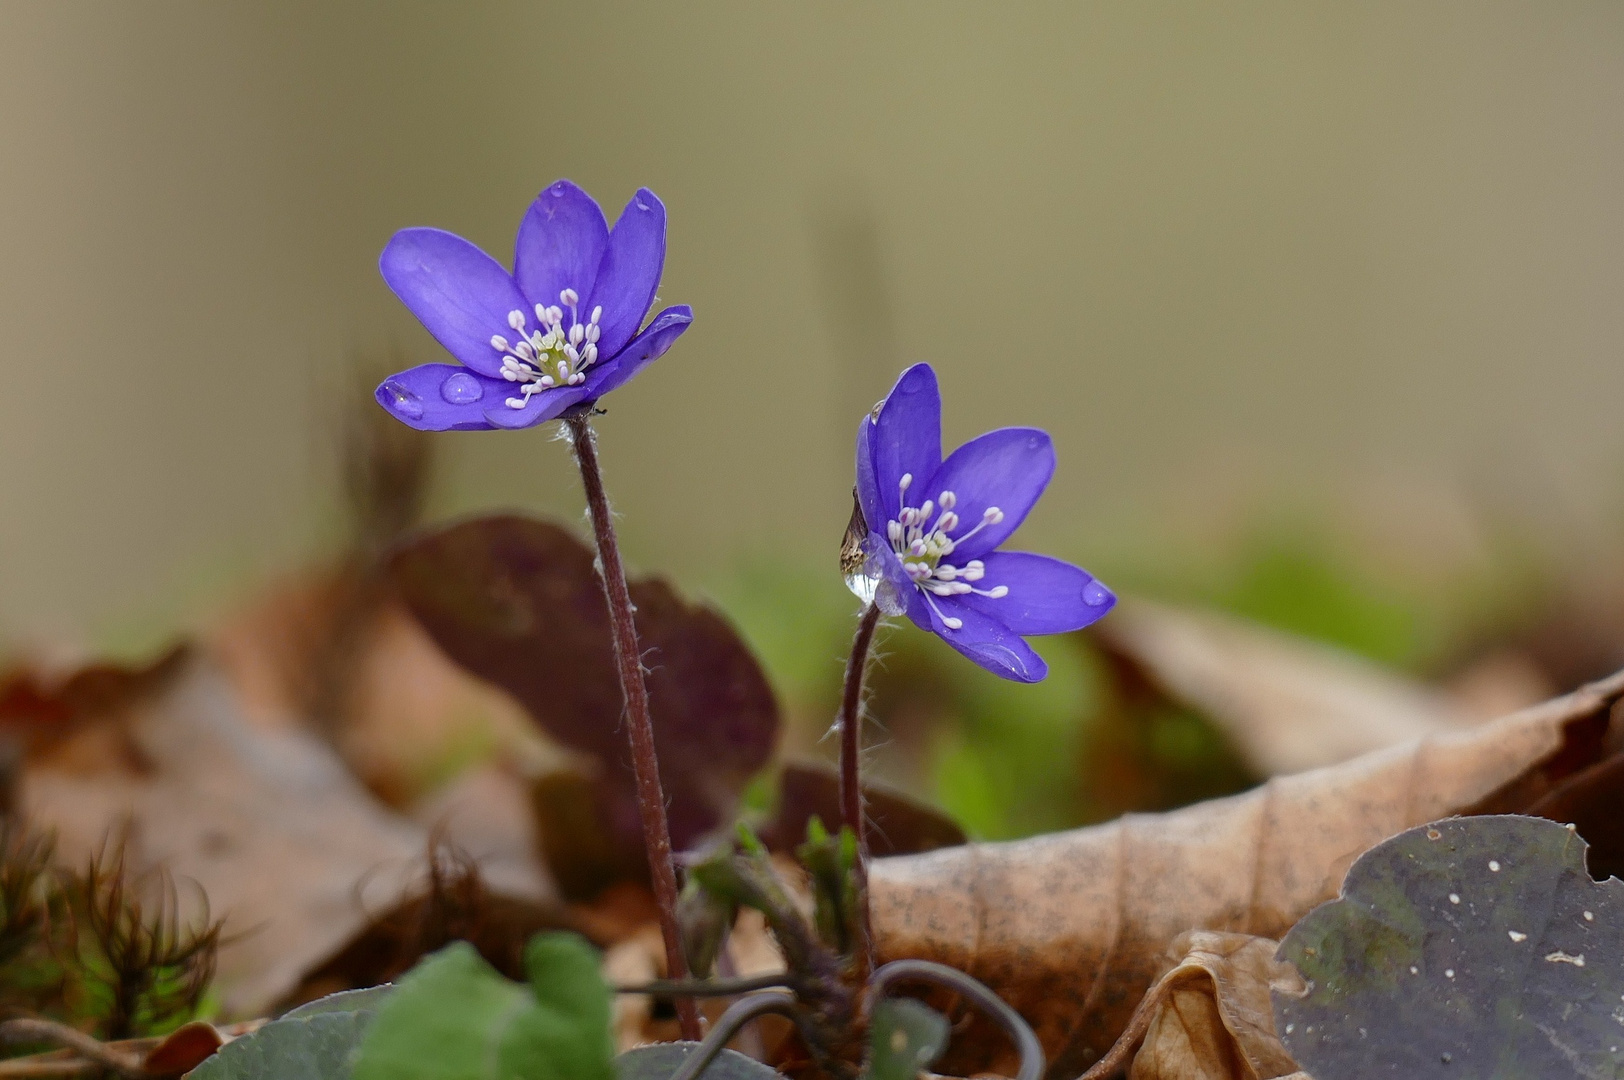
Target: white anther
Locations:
point(515, 403)
point(569, 298)
point(948, 500)
point(563, 369)
point(992, 515)
point(510, 375)
point(917, 549)
point(949, 521)
point(907, 478)
point(947, 573)
point(893, 530)
point(516, 319)
point(577, 334)
point(499, 343)
point(541, 314)
point(593, 332)
point(924, 511)
point(597, 313)
point(589, 355)
point(547, 381)
point(524, 349)
point(997, 592)
point(907, 515)
point(571, 352)
point(555, 315)
point(577, 379)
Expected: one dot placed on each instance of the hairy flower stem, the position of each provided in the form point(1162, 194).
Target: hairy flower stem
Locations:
point(639, 725)
point(851, 790)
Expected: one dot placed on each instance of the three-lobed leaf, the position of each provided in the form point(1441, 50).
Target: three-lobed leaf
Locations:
point(1471, 947)
point(518, 602)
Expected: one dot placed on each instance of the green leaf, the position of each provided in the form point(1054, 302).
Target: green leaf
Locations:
point(904, 1037)
point(660, 1061)
point(316, 1041)
point(454, 1017)
point(1472, 947)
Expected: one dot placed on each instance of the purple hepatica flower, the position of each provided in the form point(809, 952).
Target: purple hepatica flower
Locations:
point(934, 526)
point(559, 331)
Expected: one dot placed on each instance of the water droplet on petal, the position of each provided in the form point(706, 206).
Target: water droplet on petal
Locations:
point(1095, 594)
point(406, 402)
point(641, 205)
point(461, 388)
point(862, 586)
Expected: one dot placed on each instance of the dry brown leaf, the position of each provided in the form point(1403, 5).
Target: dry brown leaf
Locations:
point(1070, 928)
point(1209, 1016)
point(1288, 703)
point(286, 846)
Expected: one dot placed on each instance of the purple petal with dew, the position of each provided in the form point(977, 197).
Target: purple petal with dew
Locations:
point(868, 490)
point(441, 397)
point(987, 641)
point(900, 594)
point(560, 245)
point(458, 292)
point(1007, 469)
point(630, 273)
point(1046, 596)
point(644, 349)
point(542, 406)
point(905, 440)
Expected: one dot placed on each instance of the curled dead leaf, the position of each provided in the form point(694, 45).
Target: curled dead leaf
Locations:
point(1209, 1017)
point(1070, 928)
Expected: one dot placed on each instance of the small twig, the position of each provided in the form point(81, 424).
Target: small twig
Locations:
point(851, 790)
point(701, 988)
point(29, 1030)
point(639, 725)
point(1019, 1032)
point(738, 1014)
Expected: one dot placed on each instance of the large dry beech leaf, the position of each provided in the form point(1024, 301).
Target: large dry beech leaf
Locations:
point(518, 602)
point(1288, 703)
point(1071, 928)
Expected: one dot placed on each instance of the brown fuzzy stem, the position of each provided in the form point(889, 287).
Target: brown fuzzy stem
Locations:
point(851, 789)
point(639, 725)
point(92, 1050)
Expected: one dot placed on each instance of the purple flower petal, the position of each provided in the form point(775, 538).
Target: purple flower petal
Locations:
point(630, 272)
point(1007, 469)
point(644, 349)
point(441, 397)
point(905, 439)
point(1046, 596)
point(458, 292)
point(987, 641)
point(898, 582)
point(560, 245)
point(543, 406)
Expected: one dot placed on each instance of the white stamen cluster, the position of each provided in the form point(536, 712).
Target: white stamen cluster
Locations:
point(922, 544)
point(549, 356)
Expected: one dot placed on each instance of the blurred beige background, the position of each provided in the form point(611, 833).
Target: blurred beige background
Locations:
point(1329, 248)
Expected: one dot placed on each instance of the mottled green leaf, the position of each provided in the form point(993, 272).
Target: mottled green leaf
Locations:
point(316, 1041)
point(454, 1017)
point(1472, 947)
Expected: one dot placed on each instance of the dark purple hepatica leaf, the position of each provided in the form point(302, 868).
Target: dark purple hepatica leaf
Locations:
point(518, 602)
point(1472, 947)
point(898, 825)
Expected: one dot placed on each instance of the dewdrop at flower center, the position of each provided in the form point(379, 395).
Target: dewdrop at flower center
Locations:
point(549, 356)
point(922, 545)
